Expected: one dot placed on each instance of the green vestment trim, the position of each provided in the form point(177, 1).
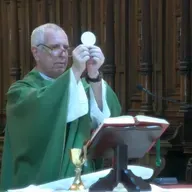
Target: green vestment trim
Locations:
point(158, 153)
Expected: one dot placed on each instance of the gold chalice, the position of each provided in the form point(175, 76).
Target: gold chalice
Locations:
point(78, 160)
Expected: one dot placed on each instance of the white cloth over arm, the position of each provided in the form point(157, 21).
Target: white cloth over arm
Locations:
point(78, 102)
point(97, 115)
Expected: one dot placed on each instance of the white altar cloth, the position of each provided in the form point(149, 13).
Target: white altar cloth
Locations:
point(88, 179)
point(91, 178)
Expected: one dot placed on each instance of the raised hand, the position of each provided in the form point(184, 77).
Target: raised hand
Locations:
point(80, 55)
point(95, 62)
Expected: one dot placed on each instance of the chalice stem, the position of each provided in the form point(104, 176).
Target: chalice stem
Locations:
point(77, 179)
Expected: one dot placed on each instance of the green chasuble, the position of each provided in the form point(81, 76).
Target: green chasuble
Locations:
point(37, 138)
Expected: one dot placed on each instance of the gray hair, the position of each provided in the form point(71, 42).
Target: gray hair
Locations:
point(38, 34)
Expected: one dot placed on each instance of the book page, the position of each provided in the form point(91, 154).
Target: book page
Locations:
point(143, 118)
point(121, 120)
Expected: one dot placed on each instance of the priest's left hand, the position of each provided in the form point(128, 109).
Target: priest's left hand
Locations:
point(96, 61)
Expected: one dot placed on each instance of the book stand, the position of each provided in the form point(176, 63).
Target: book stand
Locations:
point(127, 143)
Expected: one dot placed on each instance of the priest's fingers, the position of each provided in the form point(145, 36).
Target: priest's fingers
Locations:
point(79, 49)
point(94, 49)
point(98, 55)
point(98, 58)
point(83, 54)
point(97, 61)
point(91, 61)
point(83, 57)
point(95, 52)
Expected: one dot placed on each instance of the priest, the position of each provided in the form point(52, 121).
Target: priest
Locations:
point(52, 109)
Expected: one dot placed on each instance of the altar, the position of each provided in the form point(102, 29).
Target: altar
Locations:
point(88, 179)
point(91, 178)
point(64, 184)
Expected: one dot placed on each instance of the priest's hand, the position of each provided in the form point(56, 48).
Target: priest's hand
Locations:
point(80, 56)
point(95, 62)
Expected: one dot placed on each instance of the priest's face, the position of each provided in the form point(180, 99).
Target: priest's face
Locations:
point(52, 55)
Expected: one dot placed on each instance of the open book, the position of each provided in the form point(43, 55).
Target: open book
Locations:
point(130, 121)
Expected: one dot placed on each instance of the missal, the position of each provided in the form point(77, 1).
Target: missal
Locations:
point(128, 121)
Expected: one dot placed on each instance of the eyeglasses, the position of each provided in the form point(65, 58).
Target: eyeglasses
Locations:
point(56, 50)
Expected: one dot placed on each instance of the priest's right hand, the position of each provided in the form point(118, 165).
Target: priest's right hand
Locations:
point(80, 56)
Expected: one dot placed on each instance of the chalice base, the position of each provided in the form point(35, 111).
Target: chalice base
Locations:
point(77, 184)
point(77, 187)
